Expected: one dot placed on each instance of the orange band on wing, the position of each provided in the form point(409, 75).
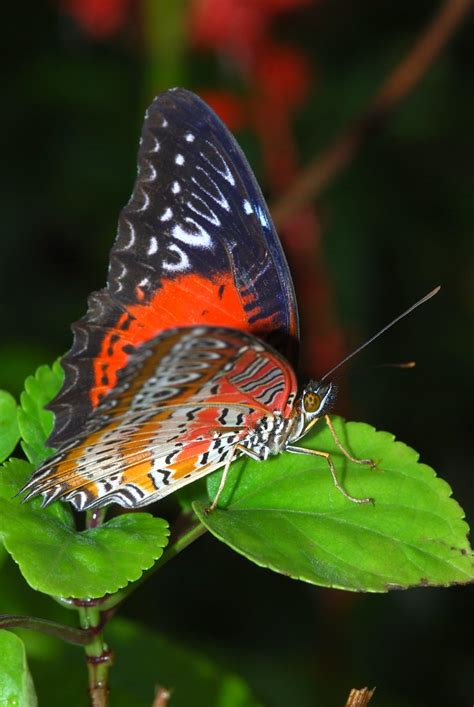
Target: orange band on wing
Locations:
point(184, 301)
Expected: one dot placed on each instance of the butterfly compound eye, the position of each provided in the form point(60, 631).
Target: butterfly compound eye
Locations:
point(311, 402)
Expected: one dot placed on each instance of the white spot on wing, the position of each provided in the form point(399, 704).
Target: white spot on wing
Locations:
point(248, 207)
point(153, 247)
point(189, 137)
point(183, 263)
point(176, 187)
point(156, 146)
point(167, 215)
point(197, 237)
point(262, 217)
point(179, 159)
point(164, 123)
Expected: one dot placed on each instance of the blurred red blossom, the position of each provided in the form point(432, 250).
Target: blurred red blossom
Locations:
point(98, 18)
point(283, 75)
point(231, 26)
point(235, 26)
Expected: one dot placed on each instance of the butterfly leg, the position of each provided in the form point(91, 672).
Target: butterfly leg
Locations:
point(332, 469)
point(237, 448)
point(223, 480)
point(338, 443)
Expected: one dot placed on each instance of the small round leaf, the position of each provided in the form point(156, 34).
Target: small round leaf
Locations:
point(35, 422)
point(56, 559)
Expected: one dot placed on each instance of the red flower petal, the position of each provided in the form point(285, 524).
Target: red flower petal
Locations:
point(98, 18)
point(283, 75)
point(224, 24)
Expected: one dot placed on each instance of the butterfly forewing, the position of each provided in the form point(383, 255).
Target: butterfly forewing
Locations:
point(195, 246)
point(178, 409)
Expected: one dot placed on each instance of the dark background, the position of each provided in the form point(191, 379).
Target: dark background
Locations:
point(397, 221)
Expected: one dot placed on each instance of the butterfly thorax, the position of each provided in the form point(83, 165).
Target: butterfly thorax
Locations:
point(269, 435)
point(273, 433)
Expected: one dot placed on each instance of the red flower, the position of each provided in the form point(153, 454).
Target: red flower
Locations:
point(226, 25)
point(283, 75)
point(234, 26)
point(98, 18)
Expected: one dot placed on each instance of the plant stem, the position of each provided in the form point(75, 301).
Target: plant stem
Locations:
point(99, 658)
point(76, 636)
point(94, 613)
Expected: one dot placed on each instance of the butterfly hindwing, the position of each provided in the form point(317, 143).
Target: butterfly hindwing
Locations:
point(195, 246)
point(179, 407)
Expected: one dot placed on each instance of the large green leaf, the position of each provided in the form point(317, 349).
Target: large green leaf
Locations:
point(16, 685)
point(56, 559)
point(287, 515)
point(9, 432)
point(34, 421)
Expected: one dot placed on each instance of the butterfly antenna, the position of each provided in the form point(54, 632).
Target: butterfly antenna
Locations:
point(382, 331)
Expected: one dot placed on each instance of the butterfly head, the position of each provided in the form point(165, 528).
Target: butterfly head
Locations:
point(316, 399)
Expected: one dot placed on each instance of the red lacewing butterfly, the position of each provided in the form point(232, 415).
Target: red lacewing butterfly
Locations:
point(185, 361)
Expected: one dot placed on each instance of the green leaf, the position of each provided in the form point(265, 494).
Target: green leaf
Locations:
point(287, 515)
point(145, 659)
point(16, 685)
point(35, 423)
point(56, 559)
point(9, 432)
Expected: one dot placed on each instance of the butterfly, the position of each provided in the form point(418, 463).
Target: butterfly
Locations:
point(185, 361)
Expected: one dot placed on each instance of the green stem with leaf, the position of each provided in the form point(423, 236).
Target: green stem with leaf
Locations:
point(99, 658)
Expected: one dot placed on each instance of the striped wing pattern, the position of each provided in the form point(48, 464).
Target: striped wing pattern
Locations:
point(180, 406)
